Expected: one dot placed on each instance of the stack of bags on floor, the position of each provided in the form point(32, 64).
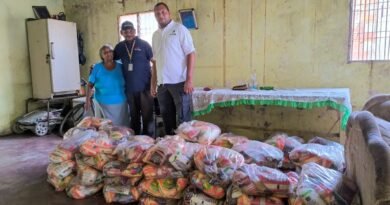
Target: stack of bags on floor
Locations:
point(199, 165)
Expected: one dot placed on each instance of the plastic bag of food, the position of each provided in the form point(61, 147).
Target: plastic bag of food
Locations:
point(323, 141)
point(94, 122)
point(141, 138)
point(261, 181)
point(74, 131)
point(193, 196)
point(253, 200)
point(182, 159)
point(120, 194)
point(260, 153)
point(286, 144)
point(228, 140)
point(159, 153)
point(60, 155)
point(164, 188)
point(131, 151)
point(113, 169)
point(117, 180)
point(323, 186)
point(158, 172)
point(97, 161)
point(61, 170)
point(88, 176)
point(100, 144)
point(133, 170)
point(73, 143)
point(234, 196)
point(117, 132)
point(198, 131)
point(150, 200)
point(204, 183)
point(218, 162)
point(327, 156)
point(77, 191)
point(60, 184)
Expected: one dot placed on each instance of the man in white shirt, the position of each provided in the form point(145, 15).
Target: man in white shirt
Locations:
point(172, 71)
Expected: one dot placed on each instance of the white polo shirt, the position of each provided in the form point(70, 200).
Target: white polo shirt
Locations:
point(170, 47)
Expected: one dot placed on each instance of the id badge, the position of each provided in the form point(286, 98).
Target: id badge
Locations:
point(130, 68)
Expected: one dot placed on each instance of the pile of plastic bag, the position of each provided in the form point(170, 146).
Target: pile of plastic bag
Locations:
point(199, 165)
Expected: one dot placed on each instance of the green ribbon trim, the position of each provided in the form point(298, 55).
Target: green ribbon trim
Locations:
point(284, 103)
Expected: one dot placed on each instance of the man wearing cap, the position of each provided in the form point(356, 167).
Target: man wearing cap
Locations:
point(136, 55)
point(172, 71)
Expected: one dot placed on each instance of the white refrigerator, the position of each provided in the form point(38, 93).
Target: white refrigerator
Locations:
point(53, 50)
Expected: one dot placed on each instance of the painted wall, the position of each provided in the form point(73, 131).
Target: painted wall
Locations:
point(295, 43)
point(15, 78)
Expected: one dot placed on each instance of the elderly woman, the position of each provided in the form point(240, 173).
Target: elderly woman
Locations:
point(109, 96)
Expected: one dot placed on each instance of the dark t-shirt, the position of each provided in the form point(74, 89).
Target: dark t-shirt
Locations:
point(139, 78)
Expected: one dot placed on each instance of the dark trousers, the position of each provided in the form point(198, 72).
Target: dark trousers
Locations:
point(141, 105)
point(175, 105)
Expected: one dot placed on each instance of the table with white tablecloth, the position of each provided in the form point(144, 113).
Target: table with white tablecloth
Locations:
point(336, 98)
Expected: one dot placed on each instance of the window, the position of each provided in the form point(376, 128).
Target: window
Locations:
point(370, 30)
point(144, 22)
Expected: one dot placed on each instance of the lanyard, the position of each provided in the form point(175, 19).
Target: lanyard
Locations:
point(132, 49)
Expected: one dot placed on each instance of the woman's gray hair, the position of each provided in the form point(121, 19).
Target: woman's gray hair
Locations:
point(104, 47)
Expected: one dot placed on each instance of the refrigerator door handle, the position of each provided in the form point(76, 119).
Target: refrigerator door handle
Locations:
point(52, 50)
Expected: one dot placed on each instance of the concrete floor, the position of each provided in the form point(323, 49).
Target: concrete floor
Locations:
point(23, 162)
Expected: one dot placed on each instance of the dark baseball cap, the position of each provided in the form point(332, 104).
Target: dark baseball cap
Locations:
point(127, 25)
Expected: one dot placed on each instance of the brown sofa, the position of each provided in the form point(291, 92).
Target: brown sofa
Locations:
point(367, 150)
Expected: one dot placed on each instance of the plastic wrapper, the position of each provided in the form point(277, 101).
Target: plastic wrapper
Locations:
point(198, 131)
point(142, 138)
point(286, 144)
point(150, 200)
point(60, 184)
point(182, 158)
point(113, 169)
point(204, 183)
point(88, 176)
point(73, 144)
point(120, 193)
point(61, 170)
point(228, 140)
point(122, 180)
point(159, 153)
point(60, 155)
point(260, 153)
point(218, 162)
point(94, 122)
point(131, 151)
point(253, 200)
point(164, 188)
point(74, 131)
point(97, 161)
point(193, 196)
point(158, 172)
point(133, 170)
point(323, 141)
point(234, 196)
point(97, 145)
point(322, 186)
point(81, 192)
point(327, 156)
point(117, 133)
point(261, 181)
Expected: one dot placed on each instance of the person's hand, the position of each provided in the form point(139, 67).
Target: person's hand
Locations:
point(153, 90)
point(188, 87)
point(87, 105)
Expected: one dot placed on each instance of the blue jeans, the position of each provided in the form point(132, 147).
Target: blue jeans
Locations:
point(175, 105)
